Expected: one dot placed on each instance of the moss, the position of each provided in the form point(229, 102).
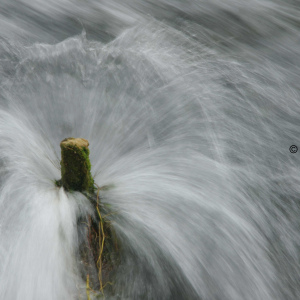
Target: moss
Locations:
point(58, 183)
point(75, 165)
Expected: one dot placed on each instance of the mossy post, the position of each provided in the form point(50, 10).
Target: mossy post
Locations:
point(100, 247)
point(76, 166)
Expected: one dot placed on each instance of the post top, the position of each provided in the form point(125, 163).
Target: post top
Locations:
point(79, 142)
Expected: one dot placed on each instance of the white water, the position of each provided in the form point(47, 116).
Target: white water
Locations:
point(190, 108)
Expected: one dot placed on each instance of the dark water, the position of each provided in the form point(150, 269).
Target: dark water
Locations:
point(190, 108)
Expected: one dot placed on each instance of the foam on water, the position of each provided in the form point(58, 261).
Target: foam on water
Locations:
point(189, 112)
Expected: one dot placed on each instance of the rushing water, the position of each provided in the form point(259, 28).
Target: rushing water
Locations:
point(190, 107)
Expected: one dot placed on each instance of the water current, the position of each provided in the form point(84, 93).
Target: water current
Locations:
point(190, 108)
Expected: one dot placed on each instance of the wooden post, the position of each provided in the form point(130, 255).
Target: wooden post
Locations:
point(99, 251)
point(76, 166)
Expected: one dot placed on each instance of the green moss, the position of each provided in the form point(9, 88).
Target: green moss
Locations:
point(58, 183)
point(76, 166)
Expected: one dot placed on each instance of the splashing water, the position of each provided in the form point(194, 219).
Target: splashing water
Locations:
point(190, 108)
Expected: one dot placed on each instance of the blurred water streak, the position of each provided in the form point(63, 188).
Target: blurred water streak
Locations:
point(190, 108)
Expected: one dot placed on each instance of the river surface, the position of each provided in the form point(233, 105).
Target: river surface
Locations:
point(190, 108)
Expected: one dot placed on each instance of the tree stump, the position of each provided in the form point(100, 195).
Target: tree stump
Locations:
point(76, 166)
point(98, 248)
